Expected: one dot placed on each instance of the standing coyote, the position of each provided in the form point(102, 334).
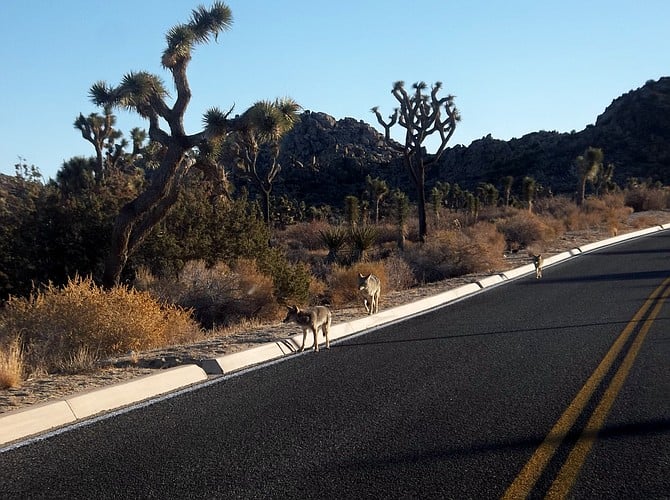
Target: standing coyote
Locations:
point(311, 319)
point(370, 289)
point(538, 260)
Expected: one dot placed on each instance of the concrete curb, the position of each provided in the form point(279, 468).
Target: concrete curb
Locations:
point(20, 424)
point(44, 417)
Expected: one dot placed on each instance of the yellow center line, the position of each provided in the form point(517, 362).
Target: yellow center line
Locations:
point(568, 473)
point(531, 472)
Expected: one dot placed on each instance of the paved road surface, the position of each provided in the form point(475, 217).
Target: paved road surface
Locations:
point(557, 386)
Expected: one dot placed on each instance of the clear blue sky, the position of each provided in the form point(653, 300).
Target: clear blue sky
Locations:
point(515, 66)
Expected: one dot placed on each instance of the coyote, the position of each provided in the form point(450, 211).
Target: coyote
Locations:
point(370, 288)
point(538, 260)
point(311, 319)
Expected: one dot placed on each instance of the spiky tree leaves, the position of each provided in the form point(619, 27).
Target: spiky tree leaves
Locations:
point(588, 168)
point(422, 115)
point(260, 130)
point(378, 189)
point(100, 132)
point(529, 189)
point(145, 94)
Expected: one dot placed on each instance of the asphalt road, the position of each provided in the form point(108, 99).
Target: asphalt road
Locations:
point(558, 386)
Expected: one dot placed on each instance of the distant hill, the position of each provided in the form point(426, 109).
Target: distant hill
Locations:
point(633, 131)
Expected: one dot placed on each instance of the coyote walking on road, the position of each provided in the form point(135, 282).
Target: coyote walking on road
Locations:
point(311, 319)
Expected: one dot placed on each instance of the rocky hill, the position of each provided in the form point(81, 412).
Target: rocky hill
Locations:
point(337, 155)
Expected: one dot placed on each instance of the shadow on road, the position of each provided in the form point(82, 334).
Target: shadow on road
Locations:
point(489, 333)
point(648, 428)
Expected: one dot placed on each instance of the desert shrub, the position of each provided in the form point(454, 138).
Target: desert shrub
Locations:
point(642, 222)
point(644, 198)
point(558, 207)
point(361, 240)
point(451, 253)
point(290, 280)
point(489, 245)
point(11, 363)
point(334, 238)
point(343, 281)
point(304, 235)
point(398, 272)
point(608, 211)
point(81, 323)
point(219, 295)
point(523, 229)
point(318, 291)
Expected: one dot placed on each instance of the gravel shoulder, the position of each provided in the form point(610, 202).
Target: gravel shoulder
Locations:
point(57, 386)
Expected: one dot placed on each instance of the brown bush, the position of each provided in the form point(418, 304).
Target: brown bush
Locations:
point(219, 295)
point(398, 272)
point(523, 229)
point(11, 363)
point(82, 323)
point(644, 198)
point(304, 235)
point(451, 253)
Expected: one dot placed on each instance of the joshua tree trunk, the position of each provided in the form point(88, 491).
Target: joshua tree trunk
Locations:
point(139, 216)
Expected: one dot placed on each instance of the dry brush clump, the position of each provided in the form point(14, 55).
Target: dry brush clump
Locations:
point(71, 328)
point(450, 253)
point(11, 363)
point(643, 198)
point(523, 229)
point(218, 295)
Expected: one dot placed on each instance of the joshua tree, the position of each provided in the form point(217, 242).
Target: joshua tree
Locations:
point(588, 166)
point(507, 188)
point(401, 211)
point(146, 94)
point(421, 116)
point(604, 182)
point(351, 210)
point(529, 191)
point(99, 131)
point(261, 129)
point(487, 193)
point(378, 188)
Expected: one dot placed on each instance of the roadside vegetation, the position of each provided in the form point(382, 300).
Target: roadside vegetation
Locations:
point(194, 280)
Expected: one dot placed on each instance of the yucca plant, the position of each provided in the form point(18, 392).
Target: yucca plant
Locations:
point(334, 238)
point(362, 239)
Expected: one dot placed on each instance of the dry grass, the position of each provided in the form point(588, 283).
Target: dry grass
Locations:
point(11, 364)
point(218, 295)
point(645, 198)
point(71, 328)
point(523, 229)
point(449, 253)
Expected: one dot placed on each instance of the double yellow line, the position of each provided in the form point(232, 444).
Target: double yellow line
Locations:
point(531, 472)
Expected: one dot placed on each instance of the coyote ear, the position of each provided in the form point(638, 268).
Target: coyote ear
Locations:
point(360, 275)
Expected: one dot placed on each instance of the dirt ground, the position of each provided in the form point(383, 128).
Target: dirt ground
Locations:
point(53, 386)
